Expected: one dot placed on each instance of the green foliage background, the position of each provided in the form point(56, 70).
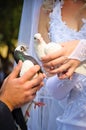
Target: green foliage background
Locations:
point(10, 15)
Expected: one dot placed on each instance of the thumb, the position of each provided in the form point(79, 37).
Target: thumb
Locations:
point(16, 70)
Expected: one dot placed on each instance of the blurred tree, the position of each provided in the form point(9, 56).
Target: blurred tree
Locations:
point(10, 14)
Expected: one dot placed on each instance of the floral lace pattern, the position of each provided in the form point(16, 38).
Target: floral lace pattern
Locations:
point(80, 51)
point(60, 32)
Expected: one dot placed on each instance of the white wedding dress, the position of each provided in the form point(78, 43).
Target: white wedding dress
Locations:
point(65, 100)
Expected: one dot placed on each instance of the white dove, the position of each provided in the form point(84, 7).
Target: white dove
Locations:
point(42, 48)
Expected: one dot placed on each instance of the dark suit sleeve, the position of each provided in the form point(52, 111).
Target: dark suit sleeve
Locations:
point(6, 118)
point(19, 118)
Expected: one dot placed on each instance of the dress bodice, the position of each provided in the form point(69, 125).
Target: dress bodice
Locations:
point(59, 31)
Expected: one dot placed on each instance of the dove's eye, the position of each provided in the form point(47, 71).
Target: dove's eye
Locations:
point(34, 38)
point(22, 48)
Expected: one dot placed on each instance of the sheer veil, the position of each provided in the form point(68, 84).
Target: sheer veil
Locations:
point(28, 27)
point(43, 118)
point(29, 23)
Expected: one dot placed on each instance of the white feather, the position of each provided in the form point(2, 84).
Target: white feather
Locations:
point(26, 66)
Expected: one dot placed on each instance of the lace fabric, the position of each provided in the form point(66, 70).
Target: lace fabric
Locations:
point(58, 28)
point(80, 54)
point(80, 51)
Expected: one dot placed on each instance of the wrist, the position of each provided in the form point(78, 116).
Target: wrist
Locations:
point(7, 103)
point(80, 51)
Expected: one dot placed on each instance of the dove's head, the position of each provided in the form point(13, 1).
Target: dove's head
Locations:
point(19, 52)
point(38, 38)
point(21, 48)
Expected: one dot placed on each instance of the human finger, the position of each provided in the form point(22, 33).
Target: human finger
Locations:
point(68, 74)
point(61, 69)
point(56, 62)
point(30, 73)
point(34, 82)
point(32, 90)
point(73, 64)
point(27, 99)
point(37, 88)
point(16, 70)
point(52, 56)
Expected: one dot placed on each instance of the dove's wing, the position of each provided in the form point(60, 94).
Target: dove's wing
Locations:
point(52, 47)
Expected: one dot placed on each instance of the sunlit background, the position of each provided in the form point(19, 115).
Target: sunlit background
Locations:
point(10, 15)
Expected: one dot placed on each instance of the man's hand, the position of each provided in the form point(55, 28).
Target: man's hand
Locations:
point(17, 91)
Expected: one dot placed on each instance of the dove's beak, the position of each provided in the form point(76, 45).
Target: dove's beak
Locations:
point(39, 41)
point(26, 48)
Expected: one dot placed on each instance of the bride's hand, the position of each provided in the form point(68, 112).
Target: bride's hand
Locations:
point(58, 63)
point(67, 69)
